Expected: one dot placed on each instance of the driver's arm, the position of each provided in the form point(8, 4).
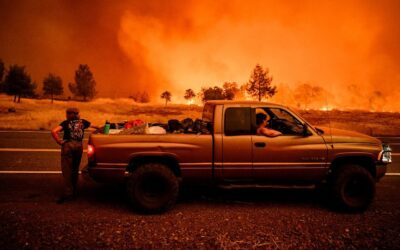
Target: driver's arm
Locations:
point(270, 132)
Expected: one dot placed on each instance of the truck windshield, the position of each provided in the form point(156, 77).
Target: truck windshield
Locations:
point(302, 118)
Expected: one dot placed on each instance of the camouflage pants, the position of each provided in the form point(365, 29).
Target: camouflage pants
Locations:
point(71, 155)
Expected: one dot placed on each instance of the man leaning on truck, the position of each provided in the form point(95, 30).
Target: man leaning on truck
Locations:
point(71, 150)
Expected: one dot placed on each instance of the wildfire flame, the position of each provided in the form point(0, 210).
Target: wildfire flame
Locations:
point(326, 108)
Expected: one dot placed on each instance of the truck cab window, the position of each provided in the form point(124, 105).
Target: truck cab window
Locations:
point(238, 121)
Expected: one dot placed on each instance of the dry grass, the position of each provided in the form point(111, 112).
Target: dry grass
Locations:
point(371, 123)
point(41, 114)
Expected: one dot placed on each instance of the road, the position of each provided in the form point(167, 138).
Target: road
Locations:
point(203, 218)
point(36, 151)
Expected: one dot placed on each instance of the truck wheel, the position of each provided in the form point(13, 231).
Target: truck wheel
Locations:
point(353, 188)
point(152, 188)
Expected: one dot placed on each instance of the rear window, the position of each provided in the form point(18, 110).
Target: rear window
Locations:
point(237, 121)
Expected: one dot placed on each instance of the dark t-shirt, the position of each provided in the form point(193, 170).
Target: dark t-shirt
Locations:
point(74, 129)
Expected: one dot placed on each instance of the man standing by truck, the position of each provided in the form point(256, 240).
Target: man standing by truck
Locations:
point(71, 150)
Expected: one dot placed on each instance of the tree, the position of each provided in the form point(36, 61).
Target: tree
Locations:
point(242, 91)
point(84, 85)
point(231, 90)
point(167, 96)
point(259, 85)
point(141, 97)
point(189, 95)
point(52, 85)
point(144, 97)
point(18, 83)
point(210, 93)
point(306, 94)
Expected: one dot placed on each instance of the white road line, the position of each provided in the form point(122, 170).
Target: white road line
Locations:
point(31, 150)
point(31, 172)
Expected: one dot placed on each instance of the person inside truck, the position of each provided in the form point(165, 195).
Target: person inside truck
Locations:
point(262, 129)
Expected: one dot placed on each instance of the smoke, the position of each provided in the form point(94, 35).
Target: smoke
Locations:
point(156, 45)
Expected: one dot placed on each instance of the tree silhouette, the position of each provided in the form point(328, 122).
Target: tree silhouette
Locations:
point(189, 95)
point(259, 85)
point(84, 85)
point(142, 97)
point(231, 90)
point(52, 85)
point(215, 93)
point(167, 96)
point(306, 94)
point(18, 83)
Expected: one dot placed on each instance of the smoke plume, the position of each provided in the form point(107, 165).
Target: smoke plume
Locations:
point(174, 45)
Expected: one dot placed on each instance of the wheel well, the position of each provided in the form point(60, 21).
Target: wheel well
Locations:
point(364, 161)
point(170, 162)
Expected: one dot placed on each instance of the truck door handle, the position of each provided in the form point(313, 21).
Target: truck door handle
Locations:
point(260, 144)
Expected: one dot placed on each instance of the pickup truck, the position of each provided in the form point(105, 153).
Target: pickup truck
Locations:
point(153, 167)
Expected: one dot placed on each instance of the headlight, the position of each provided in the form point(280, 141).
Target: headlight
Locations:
point(386, 154)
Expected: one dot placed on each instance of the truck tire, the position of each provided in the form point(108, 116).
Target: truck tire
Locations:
point(353, 188)
point(152, 188)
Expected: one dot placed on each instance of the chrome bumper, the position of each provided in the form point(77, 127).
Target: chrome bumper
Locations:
point(385, 156)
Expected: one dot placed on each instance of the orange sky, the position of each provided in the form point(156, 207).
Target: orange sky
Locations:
point(156, 45)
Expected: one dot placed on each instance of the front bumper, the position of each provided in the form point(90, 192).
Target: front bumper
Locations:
point(384, 158)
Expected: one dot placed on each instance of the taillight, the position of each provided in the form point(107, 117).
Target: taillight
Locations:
point(90, 151)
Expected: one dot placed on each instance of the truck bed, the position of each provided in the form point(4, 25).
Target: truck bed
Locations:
point(192, 151)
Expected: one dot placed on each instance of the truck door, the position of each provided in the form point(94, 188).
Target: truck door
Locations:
point(291, 157)
point(237, 146)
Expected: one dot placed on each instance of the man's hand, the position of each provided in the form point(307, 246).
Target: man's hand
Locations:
point(60, 142)
point(54, 133)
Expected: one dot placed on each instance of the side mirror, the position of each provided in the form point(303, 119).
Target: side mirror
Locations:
point(305, 130)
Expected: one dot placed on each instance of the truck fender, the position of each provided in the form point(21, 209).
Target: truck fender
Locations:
point(169, 159)
point(365, 160)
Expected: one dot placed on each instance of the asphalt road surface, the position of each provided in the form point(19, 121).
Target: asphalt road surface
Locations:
point(203, 218)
